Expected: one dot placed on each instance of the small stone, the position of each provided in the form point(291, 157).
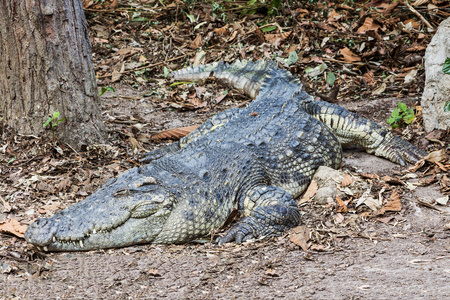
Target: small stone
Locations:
point(442, 200)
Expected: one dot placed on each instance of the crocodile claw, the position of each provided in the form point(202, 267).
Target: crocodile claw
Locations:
point(400, 151)
point(240, 232)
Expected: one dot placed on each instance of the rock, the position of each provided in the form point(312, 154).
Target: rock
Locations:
point(329, 185)
point(437, 84)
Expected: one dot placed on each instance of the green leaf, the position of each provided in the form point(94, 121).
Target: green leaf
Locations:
point(58, 121)
point(292, 59)
point(408, 118)
point(180, 83)
point(447, 106)
point(390, 120)
point(276, 4)
point(313, 72)
point(141, 19)
point(268, 29)
point(47, 122)
point(106, 89)
point(166, 72)
point(402, 106)
point(55, 115)
point(331, 78)
point(446, 68)
point(191, 18)
point(395, 113)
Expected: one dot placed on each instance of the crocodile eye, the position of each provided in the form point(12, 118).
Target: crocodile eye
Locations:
point(143, 210)
point(119, 193)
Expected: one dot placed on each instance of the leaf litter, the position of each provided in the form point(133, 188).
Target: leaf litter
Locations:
point(136, 44)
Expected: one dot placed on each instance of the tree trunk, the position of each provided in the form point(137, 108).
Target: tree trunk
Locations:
point(46, 66)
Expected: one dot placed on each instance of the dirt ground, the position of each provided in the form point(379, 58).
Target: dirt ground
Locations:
point(359, 254)
point(405, 258)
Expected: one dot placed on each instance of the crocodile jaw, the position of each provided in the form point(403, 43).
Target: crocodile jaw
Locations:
point(48, 235)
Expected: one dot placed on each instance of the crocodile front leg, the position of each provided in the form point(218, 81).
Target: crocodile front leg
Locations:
point(213, 123)
point(349, 128)
point(268, 211)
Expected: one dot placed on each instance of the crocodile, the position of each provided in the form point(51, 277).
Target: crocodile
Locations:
point(255, 160)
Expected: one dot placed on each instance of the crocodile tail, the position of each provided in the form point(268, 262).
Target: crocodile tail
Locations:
point(248, 76)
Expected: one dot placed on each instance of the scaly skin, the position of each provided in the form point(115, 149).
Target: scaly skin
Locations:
point(256, 159)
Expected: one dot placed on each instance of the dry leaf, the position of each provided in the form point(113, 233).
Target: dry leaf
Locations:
point(6, 207)
point(338, 218)
point(342, 208)
point(174, 134)
point(12, 226)
point(115, 76)
point(272, 273)
point(154, 273)
point(276, 38)
point(370, 78)
point(310, 192)
point(369, 24)
point(369, 175)
point(348, 55)
point(221, 31)
point(300, 236)
point(436, 156)
point(393, 204)
point(334, 16)
point(385, 220)
point(195, 44)
point(380, 89)
point(347, 180)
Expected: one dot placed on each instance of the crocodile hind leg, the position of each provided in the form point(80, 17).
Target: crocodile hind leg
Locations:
point(213, 123)
point(268, 211)
point(349, 128)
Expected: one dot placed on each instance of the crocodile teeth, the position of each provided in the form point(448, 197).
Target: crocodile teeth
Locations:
point(81, 244)
point(94, 231)
point(54, 240)
point(45, 248)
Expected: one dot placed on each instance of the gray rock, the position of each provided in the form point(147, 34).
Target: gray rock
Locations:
point(437, 84)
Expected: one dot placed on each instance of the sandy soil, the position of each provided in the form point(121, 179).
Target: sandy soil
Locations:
point(406, 258)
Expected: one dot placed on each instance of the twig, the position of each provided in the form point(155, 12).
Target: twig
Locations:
point(146, 66)
point(418, 14)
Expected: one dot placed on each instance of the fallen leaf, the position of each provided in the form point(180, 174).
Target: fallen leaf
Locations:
point(6, 207)
point(276, 38)
point(338, 218)
point(370, 78)
point(115, 76)
point(348, 55)
point(342, 208)
point(369, 24)
point(393, 204)
point(369, 175)
point(154, 273)
point(392, 180)
point(196, 43)
point(199, 58)
point(380, 89)
point(310, 192)
point(436, 156)
point(222, 30)
point(385, 220)
point(174, 134)
point(272, 273)
point(347, 180)
point(300, 236)
point(317, 247)
point(12, 226)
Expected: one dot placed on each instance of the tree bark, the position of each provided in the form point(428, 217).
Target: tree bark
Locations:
point(46, 66)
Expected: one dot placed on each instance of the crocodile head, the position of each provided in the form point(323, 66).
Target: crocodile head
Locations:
point(131, 209)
